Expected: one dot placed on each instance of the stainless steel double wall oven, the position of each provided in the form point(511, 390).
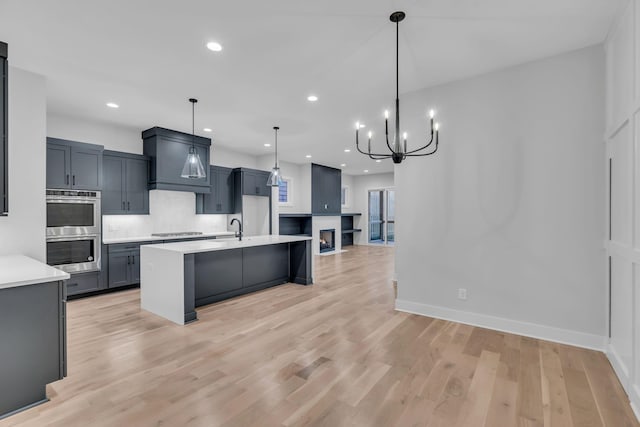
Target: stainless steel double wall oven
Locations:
point(74, 230)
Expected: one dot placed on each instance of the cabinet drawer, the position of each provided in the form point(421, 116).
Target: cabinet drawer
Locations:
point(125, 247)
point(82, 283)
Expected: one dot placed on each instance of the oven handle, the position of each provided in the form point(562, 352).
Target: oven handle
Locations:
point(67, 238)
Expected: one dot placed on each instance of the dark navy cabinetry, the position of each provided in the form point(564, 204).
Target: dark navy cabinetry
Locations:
point(74, 165)
point(326, 186)
point(253, 182)
point(221, 198)
point(33, 336)
point(124, 189)
point(4, 122)
point(124, 264)
point(167, 150)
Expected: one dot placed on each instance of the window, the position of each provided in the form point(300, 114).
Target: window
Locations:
point(345, 196)
point(284, 192)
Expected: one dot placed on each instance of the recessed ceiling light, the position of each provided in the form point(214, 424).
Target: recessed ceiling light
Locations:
point(267, 145)
point(378, 161)
point(308, 156)
point(366, 171)
point(214, 46)
point(362, 126)
point(207, 129)
point(346, 150)
point(112, 105)
point(343, 165)
point(312, 98)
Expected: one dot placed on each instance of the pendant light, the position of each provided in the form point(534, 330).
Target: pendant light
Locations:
point(274, 177)
point(193, 168)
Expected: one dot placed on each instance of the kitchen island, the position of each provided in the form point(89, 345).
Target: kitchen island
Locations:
point(178, 277)
point(32, 331)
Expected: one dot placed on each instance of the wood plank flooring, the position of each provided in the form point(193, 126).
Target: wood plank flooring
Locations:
point(332, 354)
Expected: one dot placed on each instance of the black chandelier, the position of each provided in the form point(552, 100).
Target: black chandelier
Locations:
point(399, 151)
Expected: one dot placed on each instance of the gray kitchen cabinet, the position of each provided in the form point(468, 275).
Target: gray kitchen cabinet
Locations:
point(4, 135)
point(125, 184)
point(220, 200)
point(167, 150)
point(254, 182)
point(74, 165)
point(326, 187)
point(124, 264)
point(33, 336)
point(82, 283)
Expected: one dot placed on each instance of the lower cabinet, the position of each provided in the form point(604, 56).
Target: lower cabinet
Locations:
point(81, 283)
point(124, 264)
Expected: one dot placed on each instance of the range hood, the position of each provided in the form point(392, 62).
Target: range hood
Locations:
point(167, 150)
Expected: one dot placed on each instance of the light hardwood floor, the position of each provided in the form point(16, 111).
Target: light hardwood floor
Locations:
point(332, 354)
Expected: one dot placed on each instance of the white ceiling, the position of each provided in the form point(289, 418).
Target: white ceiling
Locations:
point(149, 56)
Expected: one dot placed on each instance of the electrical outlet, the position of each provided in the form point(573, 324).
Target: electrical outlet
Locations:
point(462, 294)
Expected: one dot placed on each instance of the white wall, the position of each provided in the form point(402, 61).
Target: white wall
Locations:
point(623, 150)
point(510, 208)
point(23, 230)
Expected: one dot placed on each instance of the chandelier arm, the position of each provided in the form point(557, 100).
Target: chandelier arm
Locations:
point(421, 148)
point(386, 134)
point(423, 154)
point(369, 153)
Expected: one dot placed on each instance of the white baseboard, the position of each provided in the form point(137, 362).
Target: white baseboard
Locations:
point(548, 333)
point(622, 372)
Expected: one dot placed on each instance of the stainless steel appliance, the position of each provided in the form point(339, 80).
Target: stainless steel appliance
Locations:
point(74, 230)
point(73, 213)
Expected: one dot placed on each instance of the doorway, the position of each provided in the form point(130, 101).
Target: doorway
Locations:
point(382, 217)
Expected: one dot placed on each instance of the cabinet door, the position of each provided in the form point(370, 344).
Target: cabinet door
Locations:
point(86, 168)
point(135, 267)
point(261, 182)
point(224, 188)
point(119, 268)
point(249, 184)
point(137, 178)
point(208, 202)
point(58, 166)
point(113, 186)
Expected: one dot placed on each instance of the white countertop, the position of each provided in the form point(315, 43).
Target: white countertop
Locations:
point(156, 238)
point(222, 245)
point(20, 270)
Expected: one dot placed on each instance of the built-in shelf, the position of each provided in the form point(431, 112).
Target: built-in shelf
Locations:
point(354, 230)
point(351, 214)
point(294, 215)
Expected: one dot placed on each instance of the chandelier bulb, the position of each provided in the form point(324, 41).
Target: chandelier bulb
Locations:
point(370, 134)
point(357, 125)
point(386, 114)
point(437, 127)
point(432, 114)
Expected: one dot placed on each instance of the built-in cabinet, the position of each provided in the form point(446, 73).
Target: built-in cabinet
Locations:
point(74, 165)
point(221, 199)
point(348, 228)
point(34, 343)
point(82, 283)
point(124, 189)
point(124, 264)
point(167, 150)
point(4, 135)
point(253, 182)
point(326, 187)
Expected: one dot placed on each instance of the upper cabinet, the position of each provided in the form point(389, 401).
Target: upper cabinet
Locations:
point(254, 182)
point(124, 187)
point(73, 165)
point(4, 139)
point(326, 187)
point(221, 198)
point(167, 151)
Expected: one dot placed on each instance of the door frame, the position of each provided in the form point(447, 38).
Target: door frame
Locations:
point(385, 209)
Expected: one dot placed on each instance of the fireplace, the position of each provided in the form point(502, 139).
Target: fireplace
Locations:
point(327, 240)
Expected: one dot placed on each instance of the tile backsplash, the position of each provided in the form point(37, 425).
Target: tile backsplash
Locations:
point(169, 211)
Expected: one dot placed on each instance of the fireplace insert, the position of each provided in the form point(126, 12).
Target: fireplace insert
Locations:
point(327, 240)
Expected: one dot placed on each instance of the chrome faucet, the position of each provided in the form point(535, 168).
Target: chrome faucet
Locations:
point(239, 232)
